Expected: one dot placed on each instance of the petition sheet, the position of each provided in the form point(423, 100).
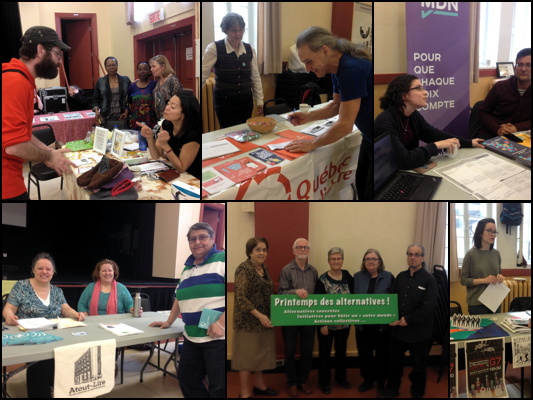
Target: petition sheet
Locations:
point(489, 178)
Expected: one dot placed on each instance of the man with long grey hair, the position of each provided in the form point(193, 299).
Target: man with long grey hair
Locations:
point(350, 66)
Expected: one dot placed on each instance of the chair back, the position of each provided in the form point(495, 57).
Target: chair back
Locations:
point(474, 123)
point(145, 302)
point(520, 304)
point(4, 301)
point(279, 106)
point(456, 308)
point(45, 133)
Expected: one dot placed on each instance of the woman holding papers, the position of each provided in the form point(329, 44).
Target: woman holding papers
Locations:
point(105, 295)
point(351, 69)
point(405, 95)
point(481, 266)
point(202, 286)
point(35, 298)
point(254, 337)
point(179, 140)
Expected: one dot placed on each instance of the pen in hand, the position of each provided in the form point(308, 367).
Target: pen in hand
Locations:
point(290, 118)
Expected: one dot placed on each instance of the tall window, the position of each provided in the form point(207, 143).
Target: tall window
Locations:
point(248, 11)
point(489, 33)
point(467, 216)
point(521, 33)
point(505, 29)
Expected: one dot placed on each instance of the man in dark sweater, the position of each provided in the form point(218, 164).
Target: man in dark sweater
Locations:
point(507, 107)
point(417, 299)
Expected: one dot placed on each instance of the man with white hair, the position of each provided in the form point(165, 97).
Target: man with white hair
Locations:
point(298, 277)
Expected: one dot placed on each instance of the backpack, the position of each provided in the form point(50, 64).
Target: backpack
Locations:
point(511, 215)
point(310, 94)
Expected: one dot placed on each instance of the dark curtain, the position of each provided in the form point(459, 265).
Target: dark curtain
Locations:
point(11, 31)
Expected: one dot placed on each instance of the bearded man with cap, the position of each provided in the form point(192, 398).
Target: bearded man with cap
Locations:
point(40, 57)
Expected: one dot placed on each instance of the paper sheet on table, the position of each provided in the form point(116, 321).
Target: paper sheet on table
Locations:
point(493, 296)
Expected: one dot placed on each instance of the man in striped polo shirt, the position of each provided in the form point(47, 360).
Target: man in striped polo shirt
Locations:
point(202, 285)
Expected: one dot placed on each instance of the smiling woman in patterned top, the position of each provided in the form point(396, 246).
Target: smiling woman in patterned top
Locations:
point(35, 298)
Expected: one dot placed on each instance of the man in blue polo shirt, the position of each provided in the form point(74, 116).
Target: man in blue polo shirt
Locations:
point(351, 69)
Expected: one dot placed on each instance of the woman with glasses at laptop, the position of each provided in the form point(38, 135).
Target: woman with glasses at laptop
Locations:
point(482, 266)
point(404, 96)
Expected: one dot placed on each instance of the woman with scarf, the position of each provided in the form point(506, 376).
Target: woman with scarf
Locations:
point(105, 295)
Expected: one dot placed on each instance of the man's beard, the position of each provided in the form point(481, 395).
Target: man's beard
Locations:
point(47, 68)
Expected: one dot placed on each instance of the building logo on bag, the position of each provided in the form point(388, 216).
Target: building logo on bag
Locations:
point(88, 371)
point(447, 9)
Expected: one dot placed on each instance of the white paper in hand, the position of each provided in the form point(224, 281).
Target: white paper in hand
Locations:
point(494, 295)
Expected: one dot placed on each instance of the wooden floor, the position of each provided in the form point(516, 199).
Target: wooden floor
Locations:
point(277, 382)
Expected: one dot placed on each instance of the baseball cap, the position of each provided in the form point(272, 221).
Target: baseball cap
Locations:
point(41, 35)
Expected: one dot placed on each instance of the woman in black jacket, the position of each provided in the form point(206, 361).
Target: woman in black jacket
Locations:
point(111, 92)
point(404, 96)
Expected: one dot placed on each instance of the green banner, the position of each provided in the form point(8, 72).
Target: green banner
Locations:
point(333, 309)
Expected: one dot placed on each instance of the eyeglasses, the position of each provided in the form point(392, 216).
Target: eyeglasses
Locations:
point(520, 65)
point(335, 259)
point(201, 238)
point(368, 259)
point(302, 247)
point(491, 232)
point(414, 255)
point(57, 53)
point(418, 88)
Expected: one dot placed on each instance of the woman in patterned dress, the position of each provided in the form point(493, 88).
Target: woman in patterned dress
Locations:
point(254, 347)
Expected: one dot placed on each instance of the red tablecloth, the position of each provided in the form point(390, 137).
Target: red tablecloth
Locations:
point(68, 126)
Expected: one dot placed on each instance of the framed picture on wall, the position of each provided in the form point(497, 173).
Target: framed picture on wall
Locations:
point(505, 69)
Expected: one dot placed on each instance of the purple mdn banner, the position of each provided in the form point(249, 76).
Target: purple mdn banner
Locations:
point(438, 48)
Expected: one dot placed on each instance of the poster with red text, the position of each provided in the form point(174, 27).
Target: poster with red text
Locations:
point(485, 368)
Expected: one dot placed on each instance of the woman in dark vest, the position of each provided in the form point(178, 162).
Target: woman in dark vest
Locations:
point(236, 73)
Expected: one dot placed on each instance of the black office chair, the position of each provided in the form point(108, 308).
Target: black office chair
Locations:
point(456, 309)
point(474, 123)
point(520, 304)
point(278, 107)
point(40, 172)
point(4, 301)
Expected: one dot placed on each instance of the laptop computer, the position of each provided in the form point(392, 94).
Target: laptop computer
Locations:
point(392, 184)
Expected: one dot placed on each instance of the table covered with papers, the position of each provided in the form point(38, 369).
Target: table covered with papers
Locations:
point(152, 187)
point(262, 170)
point(91, 332)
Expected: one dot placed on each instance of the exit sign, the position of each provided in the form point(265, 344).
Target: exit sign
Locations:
point(156, 16)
